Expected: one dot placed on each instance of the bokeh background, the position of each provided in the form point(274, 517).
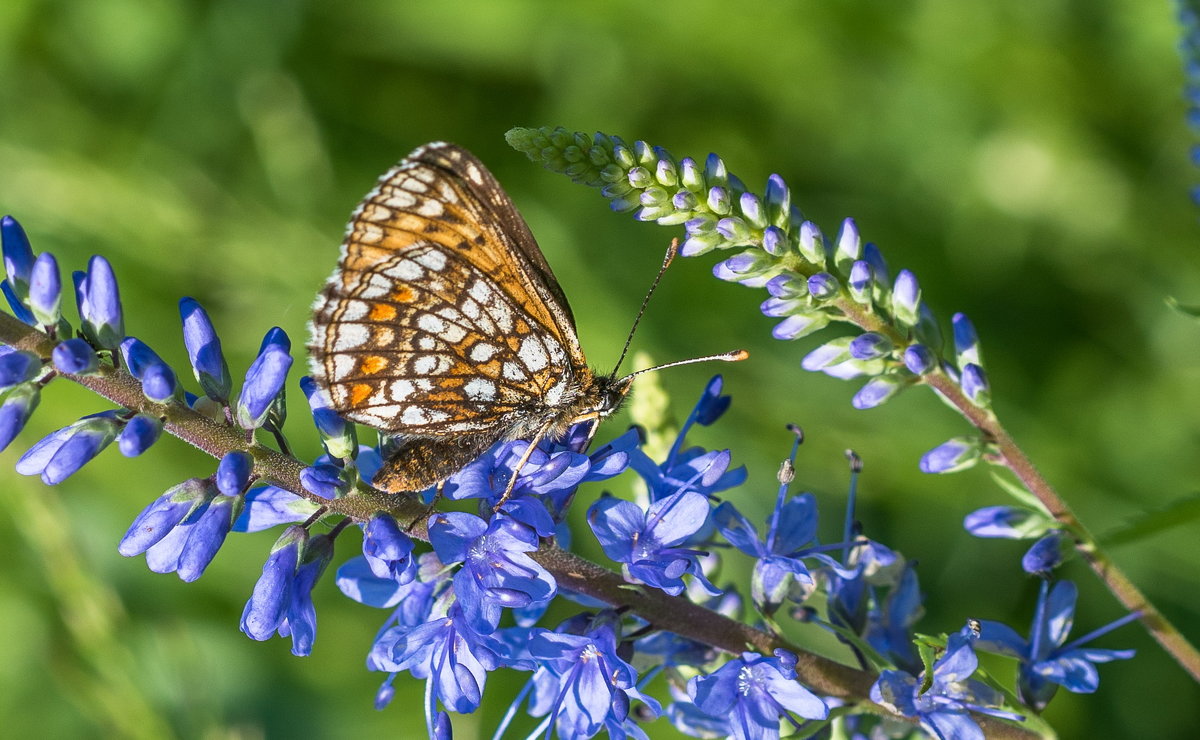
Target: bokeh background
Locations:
point(1027, 160)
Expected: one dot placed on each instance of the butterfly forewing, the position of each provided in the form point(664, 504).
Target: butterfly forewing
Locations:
point(443, 321)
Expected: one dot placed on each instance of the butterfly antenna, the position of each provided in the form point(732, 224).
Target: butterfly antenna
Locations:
point(670, 256)
point(736, 355)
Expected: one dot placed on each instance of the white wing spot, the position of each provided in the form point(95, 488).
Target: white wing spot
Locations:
point(430, 323)
point(454, 333)
point(349, 336)
point(430, 208)
point(343, 365)
point(431, 258)
point(481, 291)
point(482, 352)
point(533, 354)
point(405, 270)
point(400, 199)
point(471, 309)
point(353, 310)
point(478, 389)
point(377, 286)
point(426, 342)
point(402, 389)
point(514, 371)
point(474, 175)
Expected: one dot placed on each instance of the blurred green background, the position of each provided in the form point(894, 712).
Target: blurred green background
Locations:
point(1027, 160)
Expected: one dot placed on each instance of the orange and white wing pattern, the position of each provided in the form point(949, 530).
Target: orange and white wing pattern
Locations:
point(443, 317)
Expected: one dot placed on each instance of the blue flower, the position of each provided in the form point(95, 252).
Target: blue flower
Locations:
point(1046, 662)
point(76, 357)
point(585, 686)
point(546, 483)
point(496, 573)
point(692, 469)
point(300, 622)
point(646, 542)
point(157, 378)
point(17, 366)
point(944, 708)
point(204, 351)
point(337, 435)
point(952, 455)
point(18, 256)
point(164, 514)
point(268, 506)
point(65, 451)
point(139, 433)
point(45, 291)
point(446, 652)
point(17, 407)
point(103, 322)
point(192, 544)
point(268, 605)
point(388, 550)
point(753, 693)
point(264, 380)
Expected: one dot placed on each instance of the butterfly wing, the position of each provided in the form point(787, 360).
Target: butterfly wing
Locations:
point(443, 318)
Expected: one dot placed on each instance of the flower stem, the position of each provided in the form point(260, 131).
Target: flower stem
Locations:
point(1014, 458)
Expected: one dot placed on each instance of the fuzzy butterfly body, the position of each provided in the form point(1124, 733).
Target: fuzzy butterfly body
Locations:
point(444, 325)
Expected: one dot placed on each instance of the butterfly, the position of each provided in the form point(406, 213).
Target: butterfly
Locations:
point(444, 325)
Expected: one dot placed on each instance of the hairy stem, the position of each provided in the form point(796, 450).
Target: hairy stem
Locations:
point(672, 613)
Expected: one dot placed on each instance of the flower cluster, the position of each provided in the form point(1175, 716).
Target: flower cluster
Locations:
point(473, 599)
point(812, 280)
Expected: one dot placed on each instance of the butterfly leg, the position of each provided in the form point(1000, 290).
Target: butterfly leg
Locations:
point(432, 507)
point(512, 481)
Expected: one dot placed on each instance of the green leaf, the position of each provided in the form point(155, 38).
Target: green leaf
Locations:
point(1018, 491)
point(1193, 311)
point(1181, 511)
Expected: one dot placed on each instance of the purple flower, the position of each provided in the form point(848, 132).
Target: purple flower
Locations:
point(584, 685)
point(17, 366)
point(269, 506)
point(62, 453)
point(204, 351)
point(100, 305)
point(952, 455)
point(1047, 553)
point(906, 298)
point(753, 693)
point(300, 623)
point(75, 357)
point(943, 709)
point(18, 256)
point(919, 359)
point(1045, 661)
point(966, 341)
point(1010, 522)
point(157, 378)
point(139, 433)
point(496, 572)
point(268, 605)
point(15, 410)
point(446, 652)
point(791, 537)
point(16, 305)
point(164, 514)
point(388, 550)
point(890, 621)
point(264, 380)
point(233, 472)
point(192, 544)
point(327, 480)
point(646, 542)
point(337, 434)
point(45, 290)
